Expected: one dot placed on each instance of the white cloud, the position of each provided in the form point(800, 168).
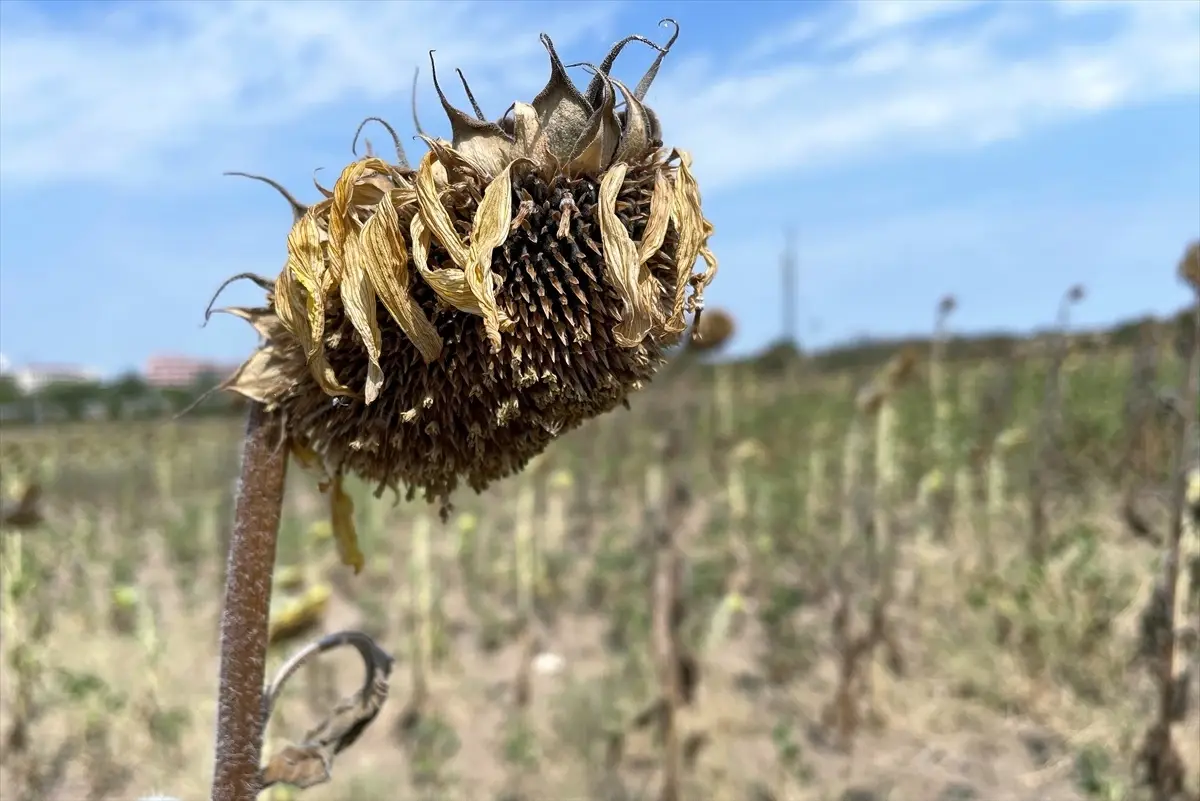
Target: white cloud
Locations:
point(893, 82)
point(148, 85)
point(143, 83)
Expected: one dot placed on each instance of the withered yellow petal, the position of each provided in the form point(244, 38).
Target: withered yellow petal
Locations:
point(339, 220)
point(690, 225)
point(386, 262)
point(290, 307)
point(435, 216)
point(489, 230)
point(358, 299)
point(660, 217)
point(448, 283)
point(621, 261)
point(306, 263)
point(306, 456)
point(341, 513)
point(527, 132)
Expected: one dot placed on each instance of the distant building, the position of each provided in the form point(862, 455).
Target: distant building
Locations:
point(165, 372)
point(33, 377)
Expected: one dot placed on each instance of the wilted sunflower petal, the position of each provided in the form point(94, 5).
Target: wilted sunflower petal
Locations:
point(260, 379)
point(341, 513)
point(660, 216)
point(448, 283)
point(290, 306)
point(358, 299)
point(621, 260)
point(527, 132)
point(449, 162)
point(690, 224)
point(435, 216)
point(339, 219)
point(386, 262)
point(306, 456)
point(488, 232)
point(306, 264)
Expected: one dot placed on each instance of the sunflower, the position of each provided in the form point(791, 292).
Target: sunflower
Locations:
point(443, 324)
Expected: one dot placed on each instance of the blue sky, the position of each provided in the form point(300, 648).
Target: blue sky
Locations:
point(1001, 151)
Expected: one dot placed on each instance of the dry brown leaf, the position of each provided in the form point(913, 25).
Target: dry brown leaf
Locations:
point(621, 260)
point(341, 511)
point(386, 263)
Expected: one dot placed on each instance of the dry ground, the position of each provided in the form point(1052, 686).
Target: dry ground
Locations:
point(966, 720)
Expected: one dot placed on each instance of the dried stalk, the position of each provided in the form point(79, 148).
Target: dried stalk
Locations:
point(1162, 767)
point(943, 412)
point(1046, 441)
point(666, 602)
point(875, 403)
point(421, 572)
point(244, 623)
point(528, 572)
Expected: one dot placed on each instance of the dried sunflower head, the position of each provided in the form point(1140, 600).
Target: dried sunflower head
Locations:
point(1189, 266)
point(711, 331)
point(445, 323)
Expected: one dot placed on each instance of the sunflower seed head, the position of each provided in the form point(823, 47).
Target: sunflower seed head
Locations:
point(444, 323)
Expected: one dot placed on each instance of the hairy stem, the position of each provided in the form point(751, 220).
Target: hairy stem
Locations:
point(247, 610)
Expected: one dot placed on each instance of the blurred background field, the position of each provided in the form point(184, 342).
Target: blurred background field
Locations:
point(910, 570)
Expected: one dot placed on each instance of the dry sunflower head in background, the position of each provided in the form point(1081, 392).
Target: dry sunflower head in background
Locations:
point(444, 323)
point(711, 331)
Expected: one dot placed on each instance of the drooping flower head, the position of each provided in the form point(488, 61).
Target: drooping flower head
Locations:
point(444, 323)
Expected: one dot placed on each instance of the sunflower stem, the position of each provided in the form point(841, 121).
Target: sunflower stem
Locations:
point(246, 614)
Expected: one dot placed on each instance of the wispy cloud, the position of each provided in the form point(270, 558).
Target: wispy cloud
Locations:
point(909, 136)
point(879, 77)
point(127, 92)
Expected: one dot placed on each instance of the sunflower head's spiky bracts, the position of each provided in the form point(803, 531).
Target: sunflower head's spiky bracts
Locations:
point(442, 324)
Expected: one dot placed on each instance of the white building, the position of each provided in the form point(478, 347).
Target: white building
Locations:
point(33, 377)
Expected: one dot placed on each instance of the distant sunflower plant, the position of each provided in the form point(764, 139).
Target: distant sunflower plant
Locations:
point(442, 324)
